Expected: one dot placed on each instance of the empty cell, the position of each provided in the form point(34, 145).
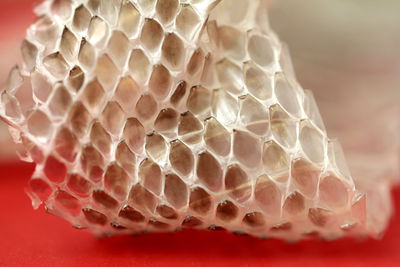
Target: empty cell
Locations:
point(127, 94)
point(175, 191)
point(237, 183)
point(67, 203)
point(217, 138)
point(209, 171)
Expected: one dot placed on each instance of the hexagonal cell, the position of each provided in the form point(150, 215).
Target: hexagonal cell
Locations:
point(131, 214)
point(233, 42)
point(29, 54)
point(139, 66)
point(230, 76)
point(167, 212)
point(129, 18)
point(87, 55)
point(127, 93)
point(225, 107)
point(247, 149)
point(134, 134)
point(104, 199)
point(107, 73)
point(318, 216)
point(167, 10)
point(113, 118)
point(283, 127)
point(167, 120)
point(40, 188)
point(181, 158)
point(175, 191)
point(67, 203)
point(305, 176)
point(146, 107)
point(116, 181)
point(260, 49)
point(69, 45)
point(60, 101)
point(39, 125)
point(143, 199)
point(93, 96)
point(333, 192)
point(41, 86)
point(56, 65)
point(288, 94)
point(179, 94)
point(294, 204)
point(66, 144)
point(237, 183)
point(268, 195)
point(150, 176)
point(312, 142)
point(191, 222)
point(152, 34)
point(92, 163)
point(275, 158)
point(95, 217)
point(81, 19)
point(55, 170)
point(79, 119)
point(187, 22)
point(253, 115)
point(173, 51)
point(200, 201)
point(79, 185)
point(227, 211)
point(98, 31)
point(217, 138)
point(156, 147)
point(209, 171)
point(125, 158)
point(254, 220)
point(199, 100)
point(190, 128)
point(119, 47)
point(160, 81)
point(100, 138)
point(257, 82)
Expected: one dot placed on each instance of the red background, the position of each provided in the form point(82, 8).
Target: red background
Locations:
point(33, 238)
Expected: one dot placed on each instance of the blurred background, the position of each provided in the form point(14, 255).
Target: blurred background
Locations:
point(346, 51)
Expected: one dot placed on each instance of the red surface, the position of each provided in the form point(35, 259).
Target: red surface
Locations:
point(34, 238)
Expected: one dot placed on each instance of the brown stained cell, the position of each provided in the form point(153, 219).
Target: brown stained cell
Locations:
point(55, 170)
point(237, 183)
point(199, 100)
point(134, 134)
point(261, 50)
point(196, 63)
point(139, 66)
point(141, 198)
point(258, 83)
point(167, 120)
point(318, 216)
point(125, 158)
point(167, 10)
point(187, 22)
point(127, 94)
point(29, 54)
point(107, 73)
point(254, 115)
point(116, 181)
point(167, 212)
point(178, 94)
point(69, 45)
point(247, 149)
point(75, 79)
point(97, 31)
point(81, 18)
point(189, 124)
point(294, 204)
point(191, 222)
point(254, 219)
point(60, 101)
point(160, 81)
point(118, 48)
point(146, 107)
point(274, 158)
point(150, 176)
point(209, 171)
point(156, 147)
point(284, 128)
point(100, 138)
point(66, 144)
point(233, 42)
point(175, 191)
point(333, 192)
point(95, 217)
point(92, 163)
point(40, 188)
point(129, 18)
point(79, 185)
point(217, 138)
point(158, 225)
point(79, 119)
point(268, 195)
point(56, 65)
point(67, 202)
point(181, 158)
point(131, 214)
point(87, 55)
point(152, 34)
point(41, 86)
point(227, 211)
point(104, 199)
point(113, 118)
point(306, 176)
point(93, 96)
point(173, 51)
point(200, 201)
